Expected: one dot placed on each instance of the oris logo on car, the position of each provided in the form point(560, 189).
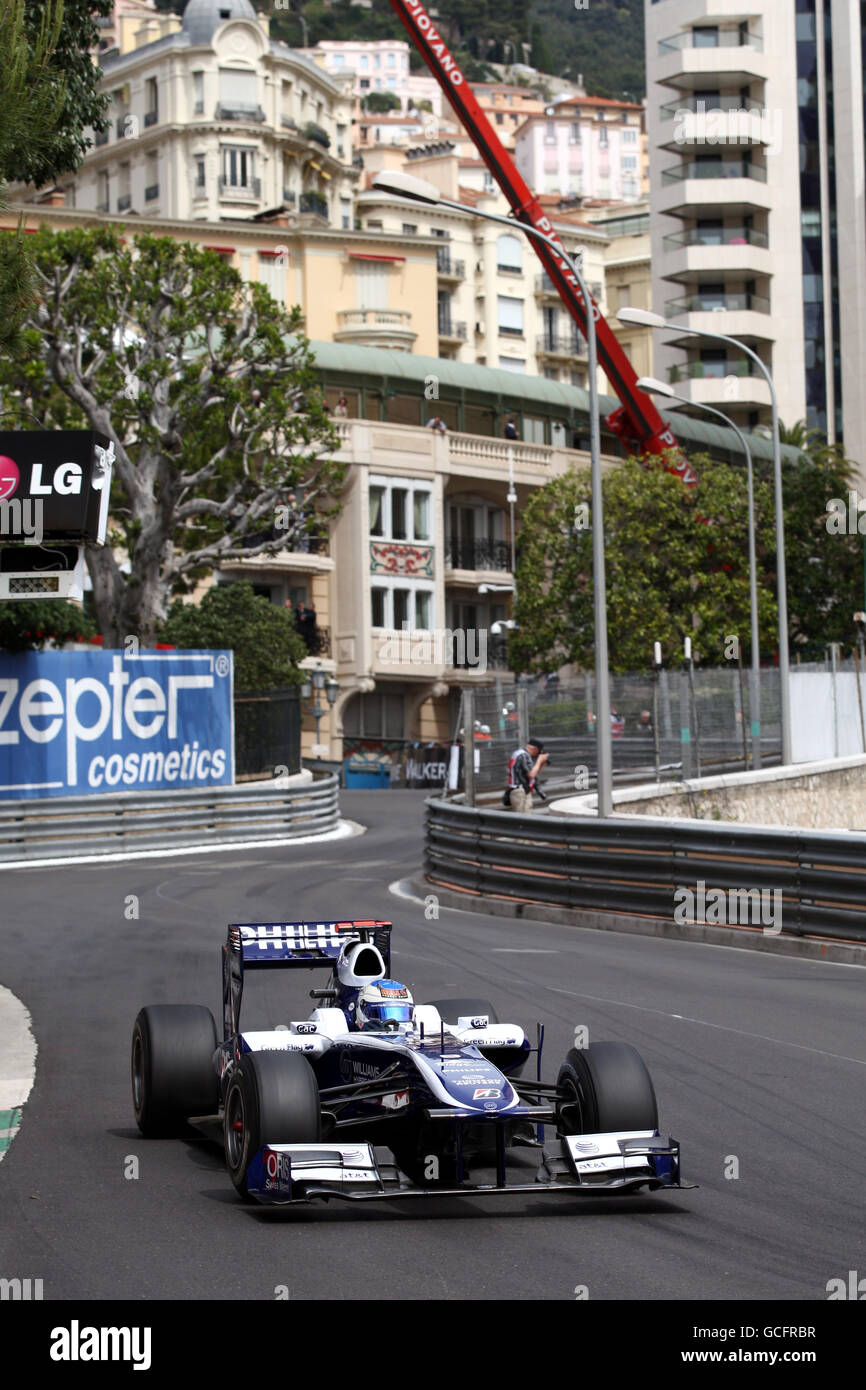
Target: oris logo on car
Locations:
point(278, 1167)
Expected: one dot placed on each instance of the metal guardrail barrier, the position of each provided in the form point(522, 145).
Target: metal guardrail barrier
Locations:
point(632, 867)
point(84, 825)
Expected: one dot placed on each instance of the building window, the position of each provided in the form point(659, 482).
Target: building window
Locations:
point(237, 166)
point(510, 315)
point(629, 161)
point(200, 168)
point(602, 137)
point(103, 192)
point(410, 228)
point(151, 102)
point(346, 213)
point(401, 603)
point(624, 296)
point(238, 90)
point(509, 252)
point(512, 364)
point(629, 137)
point(363, 61)
point(550, 133)
point(400, 510)
point(272, 274)
point(374, 716)
point(574, 133)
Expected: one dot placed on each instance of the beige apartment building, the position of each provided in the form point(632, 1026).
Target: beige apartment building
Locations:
point(212, 119)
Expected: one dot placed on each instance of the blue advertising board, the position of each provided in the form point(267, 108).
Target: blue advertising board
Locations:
point(87, 723)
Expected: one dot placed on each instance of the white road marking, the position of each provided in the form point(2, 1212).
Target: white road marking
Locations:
point(17, 1060)
point(721, 1027)
point(522, 951)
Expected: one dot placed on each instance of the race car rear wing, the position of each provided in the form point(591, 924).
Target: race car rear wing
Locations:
point(300, 945)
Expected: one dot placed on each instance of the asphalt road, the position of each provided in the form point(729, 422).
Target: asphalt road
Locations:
point(759, 1065)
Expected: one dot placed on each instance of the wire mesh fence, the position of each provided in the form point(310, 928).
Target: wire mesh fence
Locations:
point(677, 724)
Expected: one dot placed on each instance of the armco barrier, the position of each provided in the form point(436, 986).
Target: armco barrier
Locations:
point(631, 866)
point(84, 825)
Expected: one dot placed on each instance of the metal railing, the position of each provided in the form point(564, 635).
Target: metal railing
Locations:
point(314, 202)
point(151, 192)
point(151, 118)
point(450, 329)
point(716, 236)
point(238, 113)
point(715, 169)
point(445, 266)
point(632, 866)
point(477, 554)
point(709, 303)
point(124, 202)
point(136, 820)
point(722, 38)
point(242, 191)
point(705, 371)
point(700, 102)
point(561, 344)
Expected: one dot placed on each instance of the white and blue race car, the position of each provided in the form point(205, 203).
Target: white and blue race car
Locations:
point(374, 1096)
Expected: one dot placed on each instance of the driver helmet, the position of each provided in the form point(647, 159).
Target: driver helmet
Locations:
point(384, 1006)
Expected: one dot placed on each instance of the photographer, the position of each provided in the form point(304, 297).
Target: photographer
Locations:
point(524, 766)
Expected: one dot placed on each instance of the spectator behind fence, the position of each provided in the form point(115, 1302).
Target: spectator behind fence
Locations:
point(437, 423)
point(524, 766)
point(644, 725)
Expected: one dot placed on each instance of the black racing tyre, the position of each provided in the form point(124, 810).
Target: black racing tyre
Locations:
point(452, 1009)
point(272, 1098)
point(173, 1073)
point(605, 1087)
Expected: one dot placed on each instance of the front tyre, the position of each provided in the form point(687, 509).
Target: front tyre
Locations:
point(604, 1088)
point(272, 1098)
point(172, 1067)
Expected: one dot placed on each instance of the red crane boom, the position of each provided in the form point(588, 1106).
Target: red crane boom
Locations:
point(637, 422)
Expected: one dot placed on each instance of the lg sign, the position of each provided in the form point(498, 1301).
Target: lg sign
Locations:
point(65, 481)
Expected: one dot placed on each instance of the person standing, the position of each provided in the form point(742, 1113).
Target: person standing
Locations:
point(510, 428)
point(524, 766)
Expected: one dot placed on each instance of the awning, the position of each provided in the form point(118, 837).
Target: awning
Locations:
point(368, 256)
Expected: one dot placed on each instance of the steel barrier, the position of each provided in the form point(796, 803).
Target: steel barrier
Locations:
point(631, 866)
point(87, 825)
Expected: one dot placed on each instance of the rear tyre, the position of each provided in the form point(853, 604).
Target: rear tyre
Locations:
point(272, 1098)
point(452, 1009)
point(605, 1087)
point(173, 1073)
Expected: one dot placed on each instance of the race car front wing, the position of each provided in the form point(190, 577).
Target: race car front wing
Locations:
point(290, 1174)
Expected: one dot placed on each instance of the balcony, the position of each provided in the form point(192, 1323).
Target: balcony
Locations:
point(731, 384)
point(731, 302)
point(238, 113)
point(561, 345)
point(447, 269)
point(388, 328)
point(315, 132)
point(715, 236)
point(715, 169)
point(705, 371)
point(456, 332)
point(104, 206)
point(124, 126)
point(315, 203)
point(544, 286)
point(100, 138)
point(290, 197)
point(124, 202)
point(698, 104)
point(492, 652)
point(151, 118)
point(288, 123)
point(249, 192)
point(721, 38)
point(477, 555)
point(151, 192)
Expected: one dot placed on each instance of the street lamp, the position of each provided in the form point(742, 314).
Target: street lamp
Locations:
point(661, 388)
point(648, 319)
point(422, 191)
point(315, 685)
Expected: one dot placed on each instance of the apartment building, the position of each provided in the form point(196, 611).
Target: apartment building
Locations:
point(587, 147)
point(495, 304)
point(756, 125)
point(216, 120)
point(506, 105)
point(377, 65)
point(628, 275)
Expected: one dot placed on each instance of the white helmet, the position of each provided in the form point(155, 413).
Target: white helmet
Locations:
point(384, 1007)
point(358, 964)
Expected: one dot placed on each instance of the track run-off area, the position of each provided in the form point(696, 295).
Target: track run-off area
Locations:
point(759, 1065)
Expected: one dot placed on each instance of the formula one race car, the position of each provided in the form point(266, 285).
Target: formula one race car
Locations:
point(374, 1096)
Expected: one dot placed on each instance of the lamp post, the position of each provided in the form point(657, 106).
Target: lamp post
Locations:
point(314, 686)
point(661, 388)
point(648, 319)
point(421, 191)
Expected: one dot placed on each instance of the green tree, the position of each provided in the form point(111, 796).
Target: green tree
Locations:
point(207, 391)
point(669, 573)
point(824, 563)
point(381, 101)
point(30, 626)
point(267, 647)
